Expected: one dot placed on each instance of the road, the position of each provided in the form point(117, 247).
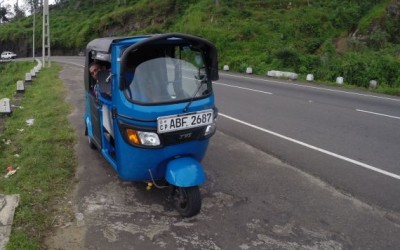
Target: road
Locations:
point(347, 138)
point(283, 173)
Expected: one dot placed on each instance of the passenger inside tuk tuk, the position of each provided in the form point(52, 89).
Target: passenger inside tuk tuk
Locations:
point(102, 86)
point(96, 69)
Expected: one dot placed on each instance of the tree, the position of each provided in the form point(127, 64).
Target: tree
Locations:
point(18, 12)
point(34, 4)
point(3, 15)
point(57, 2)
point(4, 11)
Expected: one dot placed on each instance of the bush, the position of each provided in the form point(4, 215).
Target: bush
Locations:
point(359, 69)
point(354, 68)
point(309, 63)
point(289, 57)
point(377, 39)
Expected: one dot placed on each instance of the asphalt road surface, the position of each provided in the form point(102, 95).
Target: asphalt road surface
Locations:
point(317, 193)
point(346, 138)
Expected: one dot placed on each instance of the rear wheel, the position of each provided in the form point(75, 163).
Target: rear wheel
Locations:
point(91, 144)
point(187, 200)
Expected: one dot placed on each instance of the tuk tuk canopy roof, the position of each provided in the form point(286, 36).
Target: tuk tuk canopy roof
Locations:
point(103, 45)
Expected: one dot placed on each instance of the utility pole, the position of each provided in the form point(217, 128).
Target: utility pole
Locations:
point(1, 19)
point(34, 29)
point(46, 34)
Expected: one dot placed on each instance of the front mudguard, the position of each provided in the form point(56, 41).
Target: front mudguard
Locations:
point(184, 172)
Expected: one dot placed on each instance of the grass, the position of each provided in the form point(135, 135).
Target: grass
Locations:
point(375, 13)
point(289, 35)
point(46, 159)
point(8, 82)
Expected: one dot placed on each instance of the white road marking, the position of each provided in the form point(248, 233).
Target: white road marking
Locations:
point(312, 87)
point(370, 112)
point(233, 86)
point(358, 163)
point(344, 158)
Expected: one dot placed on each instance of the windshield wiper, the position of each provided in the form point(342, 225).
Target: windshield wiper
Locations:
point(195, 93)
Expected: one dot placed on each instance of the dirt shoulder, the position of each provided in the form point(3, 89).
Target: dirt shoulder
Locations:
point(251, 200)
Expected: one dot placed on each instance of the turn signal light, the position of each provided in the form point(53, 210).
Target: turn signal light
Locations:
point(210, 129)
point(133, 136)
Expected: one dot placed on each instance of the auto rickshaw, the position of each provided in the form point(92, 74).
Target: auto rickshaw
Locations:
point(151, 111)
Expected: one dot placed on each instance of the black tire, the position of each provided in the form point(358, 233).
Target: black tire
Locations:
point(187, 201)
point(91, 144)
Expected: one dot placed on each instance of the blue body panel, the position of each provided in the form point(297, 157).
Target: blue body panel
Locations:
point(88, 121)
point(134, 163)
point(179, 164)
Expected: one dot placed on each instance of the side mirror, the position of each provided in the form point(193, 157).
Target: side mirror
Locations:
point(201, 74)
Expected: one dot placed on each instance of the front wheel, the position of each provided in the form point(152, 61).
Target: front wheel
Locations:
point(187, 200)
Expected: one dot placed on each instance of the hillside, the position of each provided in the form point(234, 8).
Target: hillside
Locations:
point(358, 40)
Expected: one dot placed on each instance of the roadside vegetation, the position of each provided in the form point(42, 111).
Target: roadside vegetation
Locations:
point(42, 153)
point(8, 82)
point(358, 40)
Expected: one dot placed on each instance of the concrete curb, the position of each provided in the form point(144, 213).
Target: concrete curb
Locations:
point(8, 203)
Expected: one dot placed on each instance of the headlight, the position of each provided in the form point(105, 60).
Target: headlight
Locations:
point(149, 138)
point(142, 138)
point(210, 129)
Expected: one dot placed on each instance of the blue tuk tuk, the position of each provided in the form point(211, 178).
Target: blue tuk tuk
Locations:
point(150, 109)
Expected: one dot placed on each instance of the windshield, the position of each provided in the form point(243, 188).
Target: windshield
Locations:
point(168, 79)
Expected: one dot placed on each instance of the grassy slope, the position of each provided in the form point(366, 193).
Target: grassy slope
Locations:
point(293, 35)
point(46, 158)
point(8, 82)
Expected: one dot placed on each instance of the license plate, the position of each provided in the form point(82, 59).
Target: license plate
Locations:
point(180, 122)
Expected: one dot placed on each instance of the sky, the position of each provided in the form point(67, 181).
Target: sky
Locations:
point(21, 3)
